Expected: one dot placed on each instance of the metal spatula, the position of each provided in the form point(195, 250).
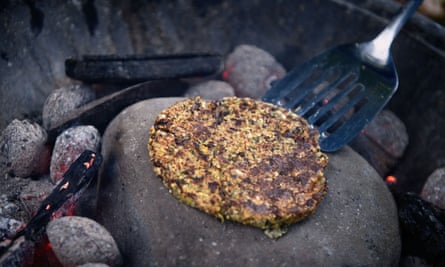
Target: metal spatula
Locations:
point(342, 89)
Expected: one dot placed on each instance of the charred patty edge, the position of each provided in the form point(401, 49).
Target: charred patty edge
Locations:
point(271, 177)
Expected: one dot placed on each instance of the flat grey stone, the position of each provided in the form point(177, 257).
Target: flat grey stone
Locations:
point(355, 225)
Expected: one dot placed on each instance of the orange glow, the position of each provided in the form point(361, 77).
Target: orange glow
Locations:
point(49, 246)
point(63, 168)
point(225, 74)
point(70, 211)
point(391, 179)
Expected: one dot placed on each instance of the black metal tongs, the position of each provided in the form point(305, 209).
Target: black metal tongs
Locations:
point(74, 181)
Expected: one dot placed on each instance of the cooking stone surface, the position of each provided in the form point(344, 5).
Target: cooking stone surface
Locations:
point(355, 225)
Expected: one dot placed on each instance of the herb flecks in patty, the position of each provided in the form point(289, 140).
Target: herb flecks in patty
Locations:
point(240, 159)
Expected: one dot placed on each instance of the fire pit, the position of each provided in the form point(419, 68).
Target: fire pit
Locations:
point(35, 47)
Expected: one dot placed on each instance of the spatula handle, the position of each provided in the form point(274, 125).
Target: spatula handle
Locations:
point(378, 50)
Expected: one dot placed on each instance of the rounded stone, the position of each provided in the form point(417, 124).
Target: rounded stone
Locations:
point(388, 132)
point(69, 145)
point(355, 225)
point(211, 90)
point(8, 226)
point(93, 265)
point(80, 240)
point(434, 188)
point(23, 149)
point(251, 70)
point(63, 100)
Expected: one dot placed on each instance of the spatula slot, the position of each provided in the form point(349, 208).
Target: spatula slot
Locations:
point(332, 99)
point(304, 91)
point(341, 111)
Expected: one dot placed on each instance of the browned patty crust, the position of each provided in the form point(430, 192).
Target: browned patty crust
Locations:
point(239, 159)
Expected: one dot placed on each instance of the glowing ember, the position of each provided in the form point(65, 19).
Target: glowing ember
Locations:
point(44, 255)
point(225, 74)
point(390, 179)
